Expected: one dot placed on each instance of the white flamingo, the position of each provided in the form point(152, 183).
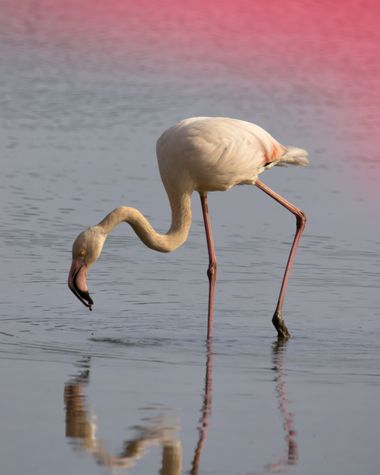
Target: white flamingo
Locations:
point(199, 154)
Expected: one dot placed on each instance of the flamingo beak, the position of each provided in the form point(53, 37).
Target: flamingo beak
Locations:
point(77, 283)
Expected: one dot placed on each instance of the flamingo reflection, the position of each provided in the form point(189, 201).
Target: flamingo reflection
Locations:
point(81, 429)
point(205, 412)
point(291, 457)
point(290, 434)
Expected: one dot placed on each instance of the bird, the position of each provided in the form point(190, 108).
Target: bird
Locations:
point(198, 154)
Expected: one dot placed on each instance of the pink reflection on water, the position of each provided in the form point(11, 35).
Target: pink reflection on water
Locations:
point(329, 48)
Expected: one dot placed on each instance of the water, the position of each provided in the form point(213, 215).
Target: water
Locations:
point(133, 385)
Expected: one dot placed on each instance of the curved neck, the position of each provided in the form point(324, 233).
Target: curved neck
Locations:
point(175, 237)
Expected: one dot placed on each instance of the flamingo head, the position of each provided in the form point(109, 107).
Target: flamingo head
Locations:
point(86, 249)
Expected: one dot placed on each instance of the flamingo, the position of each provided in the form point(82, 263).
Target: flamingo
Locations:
point(200, 154)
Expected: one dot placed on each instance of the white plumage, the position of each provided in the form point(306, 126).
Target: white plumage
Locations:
point(198, 154)
point(216, 153)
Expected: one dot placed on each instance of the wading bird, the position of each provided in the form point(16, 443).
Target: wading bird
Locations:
point(200, 154)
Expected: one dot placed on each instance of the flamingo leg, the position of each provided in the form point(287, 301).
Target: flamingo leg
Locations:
point(212, 267)
point(277, 320)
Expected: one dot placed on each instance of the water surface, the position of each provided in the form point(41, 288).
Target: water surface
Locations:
point(133, 385)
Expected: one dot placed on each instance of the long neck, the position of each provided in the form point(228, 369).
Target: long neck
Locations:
point(175, 237)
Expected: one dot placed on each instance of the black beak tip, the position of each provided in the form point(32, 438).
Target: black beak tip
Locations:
point(89, 300)
point(83, 296)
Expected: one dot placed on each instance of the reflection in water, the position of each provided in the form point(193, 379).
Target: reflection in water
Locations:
point(290, 433)
point(81, 428)
point(79, 424)
point(291, 458)
point(206, 411)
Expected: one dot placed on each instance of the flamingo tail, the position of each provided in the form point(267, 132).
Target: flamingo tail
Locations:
point(294, 156)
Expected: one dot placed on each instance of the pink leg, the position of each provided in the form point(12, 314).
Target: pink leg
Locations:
point(212, 268)
point(277, 320)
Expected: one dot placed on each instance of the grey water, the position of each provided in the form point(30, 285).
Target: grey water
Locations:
point(132, 387)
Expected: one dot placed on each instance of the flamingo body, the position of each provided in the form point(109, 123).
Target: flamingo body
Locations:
point(200, 154)
point(214, 154)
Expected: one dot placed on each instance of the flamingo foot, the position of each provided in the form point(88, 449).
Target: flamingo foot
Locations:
point(278, 322)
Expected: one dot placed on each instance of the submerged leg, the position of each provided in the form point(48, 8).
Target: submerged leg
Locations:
point(212, 267)
point(277, 320)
